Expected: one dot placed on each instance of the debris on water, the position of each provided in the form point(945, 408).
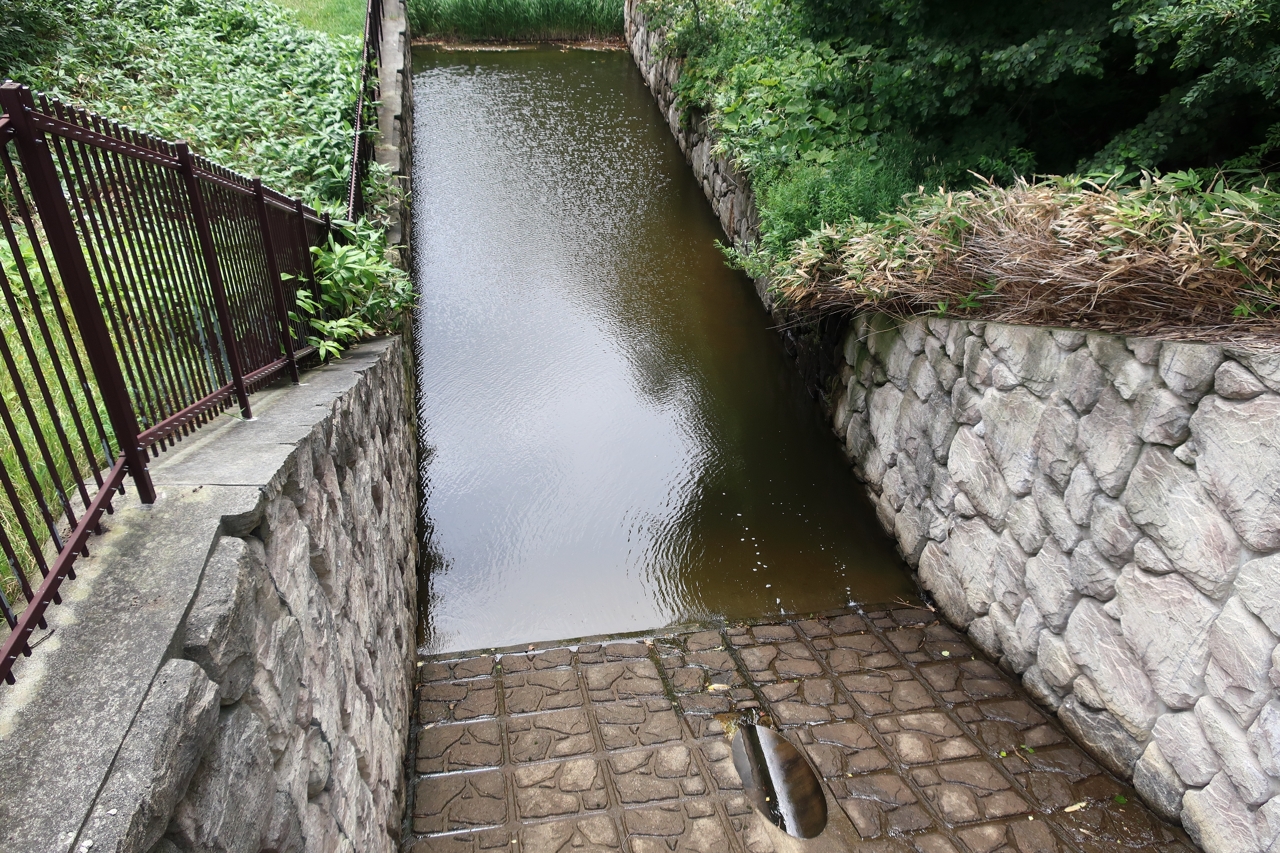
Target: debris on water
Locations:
point(1075, 807)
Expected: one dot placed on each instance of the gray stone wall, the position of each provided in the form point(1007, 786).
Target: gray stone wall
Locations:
point(1103, 516)
point(728, 191)
point(232, 667)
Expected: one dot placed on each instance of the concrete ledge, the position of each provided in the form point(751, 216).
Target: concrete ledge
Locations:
point(293, 653)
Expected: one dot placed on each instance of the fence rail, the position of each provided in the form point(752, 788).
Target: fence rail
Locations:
point(172, 295)
point(361, 146)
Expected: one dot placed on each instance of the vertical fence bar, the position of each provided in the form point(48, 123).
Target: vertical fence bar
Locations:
point(51, 205)
point(210, 254)
point(277, 287)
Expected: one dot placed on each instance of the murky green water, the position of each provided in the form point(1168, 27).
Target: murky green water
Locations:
point(617, 439)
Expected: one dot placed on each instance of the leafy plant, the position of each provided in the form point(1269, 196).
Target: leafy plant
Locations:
point(516, 20)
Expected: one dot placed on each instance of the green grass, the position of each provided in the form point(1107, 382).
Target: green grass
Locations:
point(335, 17)
point(516, 20)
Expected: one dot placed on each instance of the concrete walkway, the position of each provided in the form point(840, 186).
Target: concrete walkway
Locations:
point(920, 743)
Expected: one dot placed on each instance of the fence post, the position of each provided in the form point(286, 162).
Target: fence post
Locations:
point(273, 273)
point(59, 227)
point(210, 255)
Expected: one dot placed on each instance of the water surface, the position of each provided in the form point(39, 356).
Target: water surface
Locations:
point(615, 438)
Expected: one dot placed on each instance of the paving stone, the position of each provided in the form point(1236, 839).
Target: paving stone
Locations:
point(594, 834)
point(624, 769)
point(968, 791)
point(637, 722)
point(555, 734)
point(546, 690)
point(880, 803)
point(675, 828)
point(925, 738)
point(612, 681)
point(966, 681)
point(887, 692)
point(841, 749)
point(559, 788)
point(457, 701)
point(460, 801)
point(647, 776)
point(465, 746)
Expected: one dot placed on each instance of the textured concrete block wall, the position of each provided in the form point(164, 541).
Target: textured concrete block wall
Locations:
point(1103, 515)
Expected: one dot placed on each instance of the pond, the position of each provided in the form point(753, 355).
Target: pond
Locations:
point(614, 438)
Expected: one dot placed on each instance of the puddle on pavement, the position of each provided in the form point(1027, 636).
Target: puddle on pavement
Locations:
point(779, 782)
point(615, 438)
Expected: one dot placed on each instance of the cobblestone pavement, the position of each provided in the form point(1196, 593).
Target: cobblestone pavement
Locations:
point(920, 743)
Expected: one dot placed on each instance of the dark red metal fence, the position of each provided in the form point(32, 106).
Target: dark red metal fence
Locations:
point(145, 291)
point(362, 144)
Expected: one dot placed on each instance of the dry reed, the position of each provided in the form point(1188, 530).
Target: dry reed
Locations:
point(1164, 258)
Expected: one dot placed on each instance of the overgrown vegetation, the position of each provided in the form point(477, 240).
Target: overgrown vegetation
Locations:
point(516, 20)
point(854, 118)
point(248, 87)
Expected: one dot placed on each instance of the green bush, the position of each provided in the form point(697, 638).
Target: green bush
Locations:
point(524, 20)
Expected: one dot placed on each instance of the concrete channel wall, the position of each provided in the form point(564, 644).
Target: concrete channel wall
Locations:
point(1101, 514)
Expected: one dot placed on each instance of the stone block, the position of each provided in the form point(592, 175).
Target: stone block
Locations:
point(1029, 352)
point(1162, 417)
point(1069, 339)
point(1240, 648)
point(1053, 509)
point(1112, 530)
point(1081, 381)
point(1263, 362)
point(1166, 622)
point(1267, 821)
point(1258, 586)
point(883, 407)
point(1158, 783)
point(1167, 501)
point(1148, 557)
point(958, 573)
point(1054, 661)
point(1081, 489)
point(975, 472)
point(157, 760)
point(1102, 734)
point(1092, 574)
point(1264, 738)
point(966, 403)
point(1188, 369)
point(229, 801)
point(922, 380)
point(1024, 523)
point(1048, 581)
point(1217, 820)
point(220, 633)
point(1108, 442)
point(1011, 420)
point(1098, 647)
point(1235, 382)
point(1238, 460)
point(1145, 350)
point(1008, 572)
point(1184, 745)
point(1231, 744)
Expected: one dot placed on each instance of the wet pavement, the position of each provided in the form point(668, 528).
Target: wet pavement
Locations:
point(921, 745)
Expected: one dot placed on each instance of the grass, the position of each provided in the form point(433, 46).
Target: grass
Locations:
point(1168, 257)
point(516, 20)
point(335, 17)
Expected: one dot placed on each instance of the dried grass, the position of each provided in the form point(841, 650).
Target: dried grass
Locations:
point(1166, 258)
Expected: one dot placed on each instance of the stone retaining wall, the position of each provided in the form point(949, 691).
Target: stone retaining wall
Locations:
point(1101, 514)
point(232, 669)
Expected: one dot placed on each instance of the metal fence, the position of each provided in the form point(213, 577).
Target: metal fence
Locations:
point(362, 145)
point(145, 291)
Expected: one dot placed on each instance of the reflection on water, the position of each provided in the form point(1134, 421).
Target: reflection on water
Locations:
point(616, 439)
